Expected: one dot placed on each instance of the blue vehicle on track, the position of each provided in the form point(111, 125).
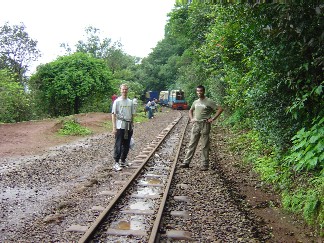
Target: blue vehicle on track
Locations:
point(174, 99)
point(151, 95)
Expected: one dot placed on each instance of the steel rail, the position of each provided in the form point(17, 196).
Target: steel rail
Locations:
point(91, 230)
point(157, 222)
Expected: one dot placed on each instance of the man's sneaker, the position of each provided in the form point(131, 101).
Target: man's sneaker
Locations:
point(184, 166)
point(204, 168)
point(125, 164)
point(117, 167)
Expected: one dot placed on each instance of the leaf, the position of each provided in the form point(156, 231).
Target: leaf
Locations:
point(319, 89)
point(312, 163)
point(319, 147)
point(300, 145)
point(321, 159)
point(315, 138)
point(305, 65)
point(309, 155)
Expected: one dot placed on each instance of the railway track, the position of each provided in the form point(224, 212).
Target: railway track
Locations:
point(134, 214)
point(96, 204)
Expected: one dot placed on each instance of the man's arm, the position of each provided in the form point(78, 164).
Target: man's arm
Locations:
point(218, 112)
point(113, 119)
point(191, 116)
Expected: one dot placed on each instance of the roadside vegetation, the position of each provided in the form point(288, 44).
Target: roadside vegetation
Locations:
point(263, 63)
point(70, 126)
point(73, 128)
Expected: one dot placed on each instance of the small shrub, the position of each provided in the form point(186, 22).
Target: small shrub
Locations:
point(307, 200)
point(108, 125)
point(72, 127)
point(307, 153)
point(140, 117)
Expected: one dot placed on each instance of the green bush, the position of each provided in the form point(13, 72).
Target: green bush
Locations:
point(72, 127)
point(15, 102)
point(299, 180)
point(307, 200)
point(307, 152)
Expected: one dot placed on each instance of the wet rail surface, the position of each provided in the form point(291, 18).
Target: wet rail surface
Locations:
point(136, 207)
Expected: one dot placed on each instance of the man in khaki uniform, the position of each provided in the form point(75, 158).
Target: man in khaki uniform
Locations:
point(200, 115)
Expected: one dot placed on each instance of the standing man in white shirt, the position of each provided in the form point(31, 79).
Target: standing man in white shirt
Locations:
point(122, 119)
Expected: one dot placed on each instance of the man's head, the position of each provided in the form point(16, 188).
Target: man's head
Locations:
point(200, 90)
point(124, 90)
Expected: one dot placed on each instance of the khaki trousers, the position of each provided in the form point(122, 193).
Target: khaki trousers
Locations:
point(199, 130)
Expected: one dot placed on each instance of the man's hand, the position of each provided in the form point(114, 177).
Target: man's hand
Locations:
point(210, 120)
point(193, 120)
point(114, 131)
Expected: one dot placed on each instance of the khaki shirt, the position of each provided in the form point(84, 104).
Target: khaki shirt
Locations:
point(203, 109)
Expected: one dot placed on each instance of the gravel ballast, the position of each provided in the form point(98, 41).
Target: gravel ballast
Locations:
point(42, 195)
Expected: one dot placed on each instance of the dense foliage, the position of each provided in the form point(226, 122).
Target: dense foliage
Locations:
point(264, 64)
point(64, 86)
point(15, 102)
point(17, 51)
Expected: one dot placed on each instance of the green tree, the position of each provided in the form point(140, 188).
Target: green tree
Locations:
point(116, 59)
point(65, 85)
point(15, 103)
point(161, 66)
point(187, 28)
point(93, 44)
point(17, 50)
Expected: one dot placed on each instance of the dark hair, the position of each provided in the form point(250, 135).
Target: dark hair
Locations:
point(201, 87)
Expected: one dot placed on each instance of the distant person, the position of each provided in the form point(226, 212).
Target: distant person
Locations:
point(200, 114)
point(153, 106)
point(156, 105)
point(135, 103)
point(122, 119)
point(113, 98)
point(149, 110)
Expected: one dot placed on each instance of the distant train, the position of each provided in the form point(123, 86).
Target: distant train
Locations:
point(174, 99)
point(151, 95)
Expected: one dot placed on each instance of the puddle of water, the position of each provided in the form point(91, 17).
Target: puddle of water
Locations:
point(151, 181)
point(152, 175)
point(154, 181)
point(157, 171)
point(135, 222)
point(148, 191)
point(123, 225)
point(141, 205)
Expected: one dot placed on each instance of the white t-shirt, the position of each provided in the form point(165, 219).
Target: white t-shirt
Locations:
point(124, 110)
point(153, 105)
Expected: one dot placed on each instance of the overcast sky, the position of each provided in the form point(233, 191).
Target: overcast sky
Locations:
point(137, 24)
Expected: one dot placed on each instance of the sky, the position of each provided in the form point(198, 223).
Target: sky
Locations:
point(137, 24)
